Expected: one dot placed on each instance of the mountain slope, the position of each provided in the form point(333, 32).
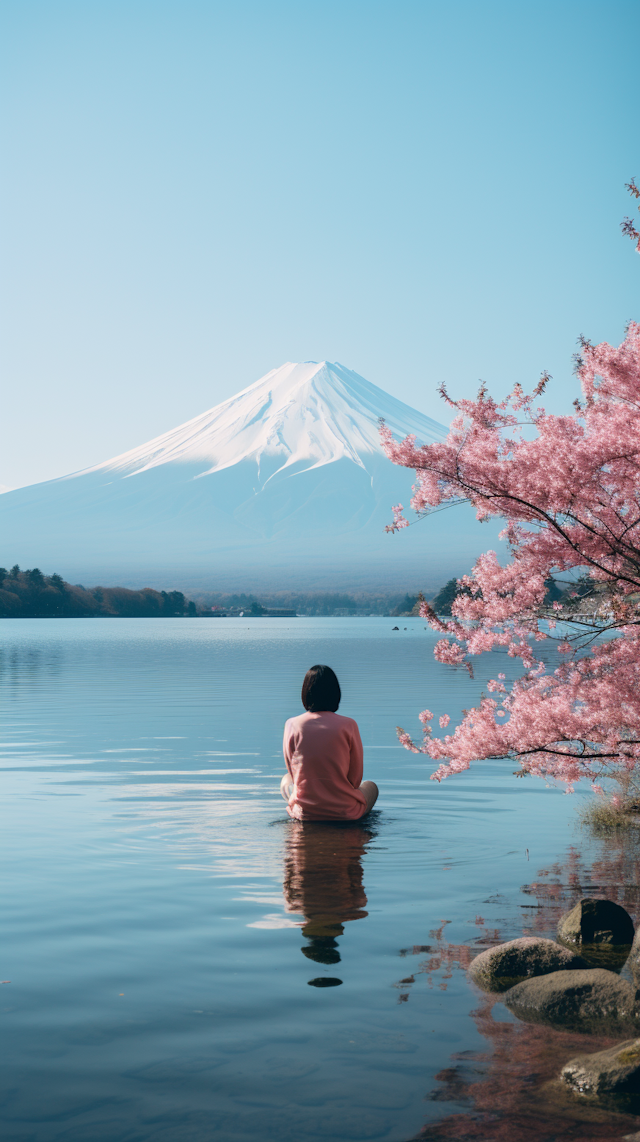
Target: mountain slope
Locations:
point(283, 485)
point(306, 414)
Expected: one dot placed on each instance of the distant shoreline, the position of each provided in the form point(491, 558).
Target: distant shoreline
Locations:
point(30, 594)
point(203, 616)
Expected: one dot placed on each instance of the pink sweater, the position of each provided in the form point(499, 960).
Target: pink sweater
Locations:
point(323, 754)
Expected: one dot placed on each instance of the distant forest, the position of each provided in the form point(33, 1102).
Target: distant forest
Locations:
point(30, 594)
point(312, 603)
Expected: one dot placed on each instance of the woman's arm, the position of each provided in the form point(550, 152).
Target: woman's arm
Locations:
point(356, 760)
point(285, 749)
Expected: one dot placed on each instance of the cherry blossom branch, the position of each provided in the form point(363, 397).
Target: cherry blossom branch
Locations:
point(570, 498)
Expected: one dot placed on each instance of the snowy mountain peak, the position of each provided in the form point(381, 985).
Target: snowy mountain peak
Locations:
point(282, 487)
point(299, 416)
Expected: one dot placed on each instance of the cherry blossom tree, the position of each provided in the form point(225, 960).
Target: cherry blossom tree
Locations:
point(568, 490)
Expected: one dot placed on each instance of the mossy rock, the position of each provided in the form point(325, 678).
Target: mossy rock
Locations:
point(592, 1000)
point(596, 921)
point(614, 1071)
point(502, 967)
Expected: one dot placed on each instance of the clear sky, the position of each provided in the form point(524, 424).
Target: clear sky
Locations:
point(195, 192)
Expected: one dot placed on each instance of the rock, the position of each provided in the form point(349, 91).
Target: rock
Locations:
point(500, 968)
point(592, 1000)
point(614, 1071)
point(613, 957)
point(596, 922)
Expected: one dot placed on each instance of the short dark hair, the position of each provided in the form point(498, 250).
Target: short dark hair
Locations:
point(320, 690)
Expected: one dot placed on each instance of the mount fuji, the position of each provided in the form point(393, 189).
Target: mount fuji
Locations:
point(284, 485)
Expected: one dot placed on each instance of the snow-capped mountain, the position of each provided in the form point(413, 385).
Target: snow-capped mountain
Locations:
point(306, 415)
point(284, 484)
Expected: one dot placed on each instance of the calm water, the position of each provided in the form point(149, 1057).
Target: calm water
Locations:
point(185, 963)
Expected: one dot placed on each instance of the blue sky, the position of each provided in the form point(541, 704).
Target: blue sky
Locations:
point(196, 192)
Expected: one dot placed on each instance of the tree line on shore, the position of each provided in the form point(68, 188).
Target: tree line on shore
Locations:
point(312, 603)
point(30, 594)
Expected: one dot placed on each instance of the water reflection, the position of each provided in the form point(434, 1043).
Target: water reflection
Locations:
point(20, 665)
point(146, 845)
point(510, 1091)
point(323, 882)
point(615, 874)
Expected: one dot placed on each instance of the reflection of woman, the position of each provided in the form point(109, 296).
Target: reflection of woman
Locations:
point(323, 882)
point(323, 756)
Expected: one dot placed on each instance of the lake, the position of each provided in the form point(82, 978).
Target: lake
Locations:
point(187, 964)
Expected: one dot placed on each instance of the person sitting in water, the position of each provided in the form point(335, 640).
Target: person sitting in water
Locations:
point(323, 755)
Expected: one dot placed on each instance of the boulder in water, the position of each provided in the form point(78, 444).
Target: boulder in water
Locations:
point(591, 1000)
point(502, 967)
point(596, 922)
point(614, 1071)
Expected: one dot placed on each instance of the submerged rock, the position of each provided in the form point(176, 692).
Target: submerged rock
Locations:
point(501, 967)
point(596, 922)
point(591, 1000)
point(616, 1070)
point(613, 957)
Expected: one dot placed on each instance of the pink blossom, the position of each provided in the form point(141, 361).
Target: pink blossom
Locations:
point(444, 721)
point(405, 740)
point(570, 496)
point(399, 520)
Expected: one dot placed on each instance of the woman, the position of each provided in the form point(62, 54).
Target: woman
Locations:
point(323, 756)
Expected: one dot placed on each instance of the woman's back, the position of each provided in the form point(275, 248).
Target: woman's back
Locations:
point(323, 754)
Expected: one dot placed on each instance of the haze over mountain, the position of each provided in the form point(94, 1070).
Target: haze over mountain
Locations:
point(284, 485)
